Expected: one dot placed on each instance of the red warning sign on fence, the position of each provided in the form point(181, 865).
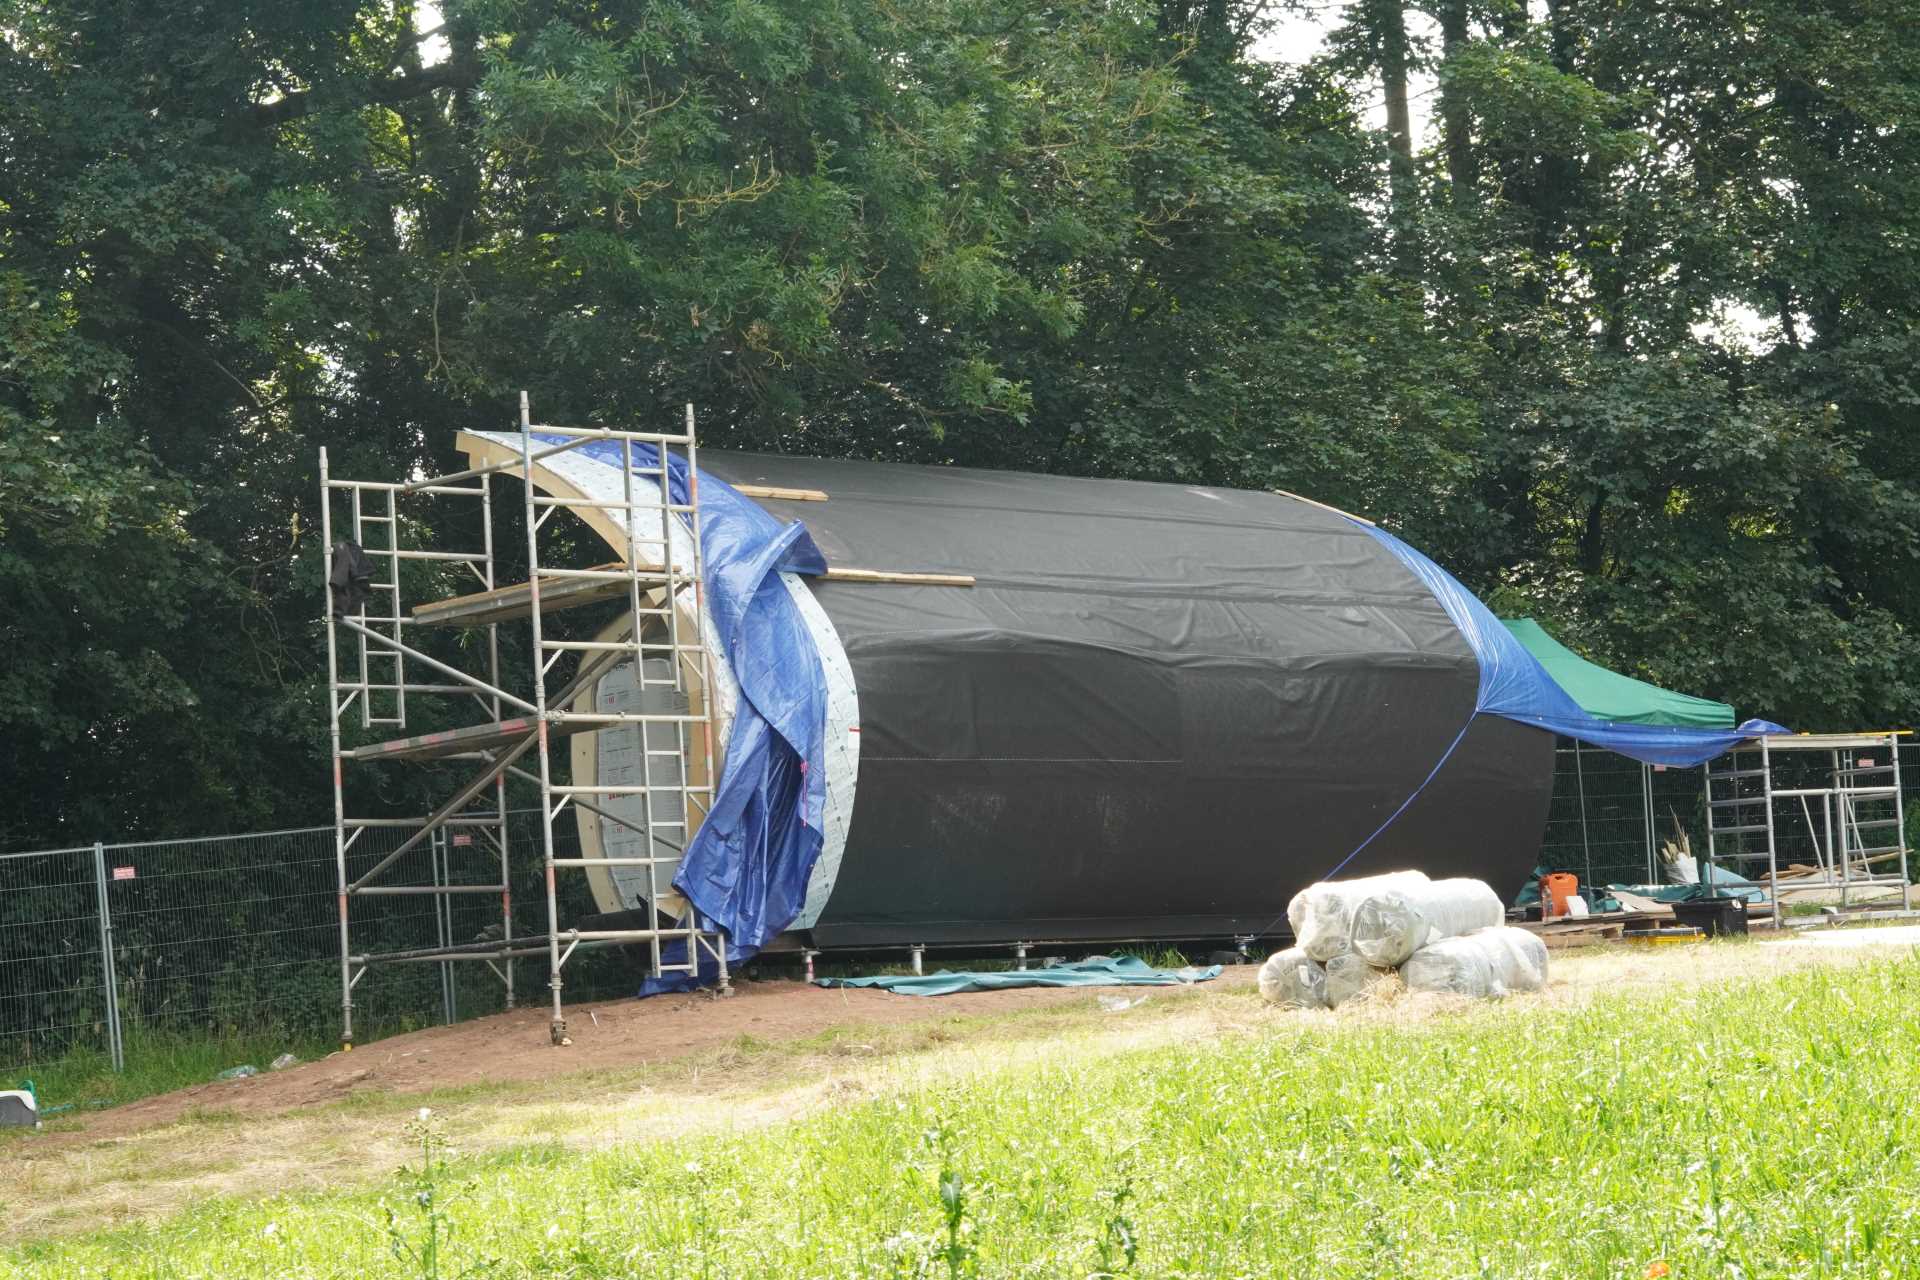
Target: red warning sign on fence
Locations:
point(123, 873)
point(462, 839)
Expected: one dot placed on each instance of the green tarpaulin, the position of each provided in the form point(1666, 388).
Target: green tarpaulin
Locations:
point(1612, 696)
point(1101, 971)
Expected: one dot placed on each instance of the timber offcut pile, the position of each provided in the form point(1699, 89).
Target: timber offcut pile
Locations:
point(1440, 935)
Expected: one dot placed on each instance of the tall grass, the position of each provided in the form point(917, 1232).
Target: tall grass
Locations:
point(1754, 1130)
point(158, 1061)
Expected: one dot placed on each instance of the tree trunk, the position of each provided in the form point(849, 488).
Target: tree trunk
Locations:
point(1390, 31)
point(1455, 114)
point(1593, 538)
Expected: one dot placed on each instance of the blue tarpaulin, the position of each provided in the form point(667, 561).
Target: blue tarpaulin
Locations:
point(1099, 971)
point(1514, 685)
point(746, 870)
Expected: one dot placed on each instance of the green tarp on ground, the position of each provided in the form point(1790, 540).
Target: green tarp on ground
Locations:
point(1612, 696)
point(1100, 971)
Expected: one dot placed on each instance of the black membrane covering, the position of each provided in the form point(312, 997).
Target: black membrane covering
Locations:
point(1159, 712)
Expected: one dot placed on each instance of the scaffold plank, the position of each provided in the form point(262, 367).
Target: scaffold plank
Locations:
point(503, 604)
point(478, 737)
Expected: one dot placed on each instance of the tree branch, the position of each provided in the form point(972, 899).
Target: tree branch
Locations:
point(451, 74)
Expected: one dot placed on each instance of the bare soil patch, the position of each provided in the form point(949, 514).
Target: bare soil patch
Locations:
point(613, 1034)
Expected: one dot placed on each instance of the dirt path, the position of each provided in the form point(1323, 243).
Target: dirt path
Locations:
point(616, 1035)
point(636, 1070)
point(640, 1070)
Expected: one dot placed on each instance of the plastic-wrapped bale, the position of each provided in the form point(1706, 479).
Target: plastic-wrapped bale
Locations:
point(1392, 924)
point(1348, 975)
point(1321, 915)
point(19, 1108)
point(1293, 978)
point(1484, 964)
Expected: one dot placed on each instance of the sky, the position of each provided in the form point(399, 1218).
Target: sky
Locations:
point(1298, 36)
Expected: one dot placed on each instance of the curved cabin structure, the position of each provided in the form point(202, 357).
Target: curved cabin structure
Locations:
point(1128, 711)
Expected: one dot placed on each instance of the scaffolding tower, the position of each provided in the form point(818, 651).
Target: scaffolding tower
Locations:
point(658, 585)
point(1854, 822)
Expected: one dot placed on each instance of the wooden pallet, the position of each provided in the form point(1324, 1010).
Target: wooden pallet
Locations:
point(1580, 933)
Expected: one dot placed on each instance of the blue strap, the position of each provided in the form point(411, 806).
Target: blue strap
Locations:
point(1395, 815)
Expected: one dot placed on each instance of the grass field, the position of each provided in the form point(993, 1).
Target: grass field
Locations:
point(1757, 1128)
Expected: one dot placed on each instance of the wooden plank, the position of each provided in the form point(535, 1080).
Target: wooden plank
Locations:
point(516, 601)
point(1642, 905)
point(1325, 507)
point(778, 494)
point(477, 737)
point(902, 579)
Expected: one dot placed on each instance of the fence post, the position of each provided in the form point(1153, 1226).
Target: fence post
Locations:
point(439, 849)
point(114, 1044)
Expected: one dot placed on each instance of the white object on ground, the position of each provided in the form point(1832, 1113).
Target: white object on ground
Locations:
point(1882, 936)
point(1577, 908)
point(1348, 975)
point(1292, 978)
point(1391, 925)
point(1485, 964)
point(18, 1109)
point(1116, 1004)
point(282, 1062)
point(1321, 915)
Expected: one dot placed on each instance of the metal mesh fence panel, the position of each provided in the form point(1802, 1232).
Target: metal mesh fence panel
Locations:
point(1609, 810)
point(1597, 825)
point(53, 991)
point(231, 934)
point(225, 933)
point(1610, 815)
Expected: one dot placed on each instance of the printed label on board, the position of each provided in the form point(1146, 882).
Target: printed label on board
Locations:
point(123, 873)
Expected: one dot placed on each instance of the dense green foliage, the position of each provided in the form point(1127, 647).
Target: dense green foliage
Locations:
point(1628, 343)
point(1741, 1131)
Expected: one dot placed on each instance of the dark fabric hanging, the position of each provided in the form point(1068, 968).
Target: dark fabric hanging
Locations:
point(350, 581)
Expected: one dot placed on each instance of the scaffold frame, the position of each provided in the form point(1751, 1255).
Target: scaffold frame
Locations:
point(659, 584)
point(1742, 821)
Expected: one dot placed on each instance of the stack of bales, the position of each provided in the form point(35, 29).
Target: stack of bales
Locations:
point(1442, 935)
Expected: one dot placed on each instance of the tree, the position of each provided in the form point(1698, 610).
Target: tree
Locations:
point(1628, 342)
